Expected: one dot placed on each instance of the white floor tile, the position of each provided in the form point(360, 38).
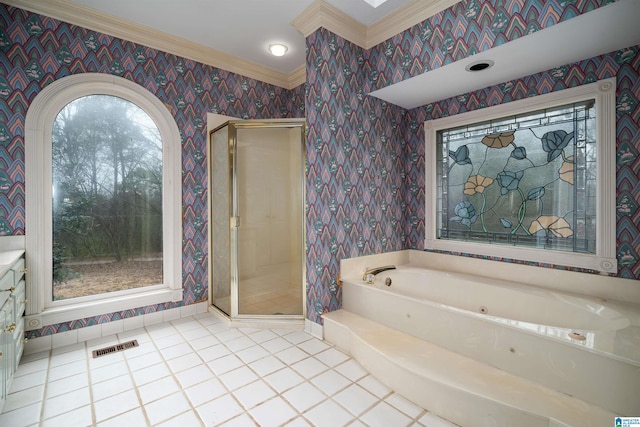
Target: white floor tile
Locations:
point(404, 405)
point(263, 335)
point(204, 341)
point(243, 420)
point(168, 341)
point(144, 361)
point(352, 370)
point(266, 365)
point(274, 412)
point(134, 417)
point(331, 357)
point(355, 399)
point(240, 343)
point(108, 372)
point(284, 379)
point(313, 346)
point(186, 419)
point(157, 389)
point(205, 392)
point(27, 381)
point(184, 362)
point(330, 382)
point(253, 394)
point(275, 345)
point(251, 354)
point(176, 351)
point(329, 413)
point(66, 402)
point(152, 373)
point(35, 365)
point(291, 355)
point(24, 398)
point(304, 396)
point(67, 370)
point(374, 386)
point(432, 420)
point(298, 422)
point(297, 337)
point(194, 375)
point(115, 405)
point(77, 417)
point(225, 364)
point(22, 417)
point(232, 377)
point(309, 368)
point(214, 352)
point(167, 407)
point(219, 410)
point(111, 387)
point(238, 378)
point(384, 415)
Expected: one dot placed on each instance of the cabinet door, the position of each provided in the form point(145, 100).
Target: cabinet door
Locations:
point(4, 359)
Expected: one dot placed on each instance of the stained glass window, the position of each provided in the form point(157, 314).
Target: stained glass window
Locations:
point(532, 179)
point(525, 180)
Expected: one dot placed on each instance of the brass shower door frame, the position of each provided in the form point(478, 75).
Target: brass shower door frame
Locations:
point(235, 219)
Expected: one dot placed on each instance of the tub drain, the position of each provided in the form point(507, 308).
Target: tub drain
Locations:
point(483, 309)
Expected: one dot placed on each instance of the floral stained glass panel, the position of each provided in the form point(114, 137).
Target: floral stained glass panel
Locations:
point(526, 180)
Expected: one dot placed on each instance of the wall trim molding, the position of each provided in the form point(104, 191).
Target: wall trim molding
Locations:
point(319, 14)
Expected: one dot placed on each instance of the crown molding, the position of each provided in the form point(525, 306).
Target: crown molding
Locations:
point(404, 18)
point(89, 18)
point(321, 14)
point(298, 76)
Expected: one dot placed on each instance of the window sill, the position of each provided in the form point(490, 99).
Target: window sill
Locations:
point(568, 259)
point(55, 315)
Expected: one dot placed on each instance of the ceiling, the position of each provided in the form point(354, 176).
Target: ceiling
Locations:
point(241, 28)
point(235, 35)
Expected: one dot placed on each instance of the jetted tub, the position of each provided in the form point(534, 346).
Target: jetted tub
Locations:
point(579, 345)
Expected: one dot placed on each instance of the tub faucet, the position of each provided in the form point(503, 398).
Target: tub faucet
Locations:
point(369, 274)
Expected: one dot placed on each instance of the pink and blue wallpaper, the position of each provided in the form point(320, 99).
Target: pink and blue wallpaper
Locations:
point(365, 158)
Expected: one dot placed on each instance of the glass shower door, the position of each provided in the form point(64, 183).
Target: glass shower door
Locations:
point(269, 172)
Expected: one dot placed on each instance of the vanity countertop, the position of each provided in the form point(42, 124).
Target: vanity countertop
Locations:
point(7, 259)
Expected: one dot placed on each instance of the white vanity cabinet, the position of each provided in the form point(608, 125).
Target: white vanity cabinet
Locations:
point(12, 306)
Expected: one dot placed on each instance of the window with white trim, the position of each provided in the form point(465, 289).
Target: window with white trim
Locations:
point(532, 180)
point(103, 188)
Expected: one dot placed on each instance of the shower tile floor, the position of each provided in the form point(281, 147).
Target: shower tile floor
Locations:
point(196, 371)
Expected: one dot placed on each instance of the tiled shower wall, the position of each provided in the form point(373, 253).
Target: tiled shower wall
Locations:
point(37, 50)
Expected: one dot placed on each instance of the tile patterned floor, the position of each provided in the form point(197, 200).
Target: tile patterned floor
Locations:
point(196, 371)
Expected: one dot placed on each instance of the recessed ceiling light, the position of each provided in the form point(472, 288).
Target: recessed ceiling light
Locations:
point(278, 49)
point(375, 3)
point(479, 65)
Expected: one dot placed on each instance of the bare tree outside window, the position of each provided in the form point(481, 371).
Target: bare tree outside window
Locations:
point(107, 198)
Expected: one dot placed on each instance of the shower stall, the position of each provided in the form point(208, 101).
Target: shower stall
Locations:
point(256, 220)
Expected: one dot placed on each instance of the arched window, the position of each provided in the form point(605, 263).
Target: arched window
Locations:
point(103, 200)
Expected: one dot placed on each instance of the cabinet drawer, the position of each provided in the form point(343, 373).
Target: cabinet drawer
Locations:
point(18, 271)
point(19, 299)
point(6, 281)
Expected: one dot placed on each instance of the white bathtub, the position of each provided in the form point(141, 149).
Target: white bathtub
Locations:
point(579, 345)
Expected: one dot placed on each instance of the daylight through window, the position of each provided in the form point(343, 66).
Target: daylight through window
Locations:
point(107, 198)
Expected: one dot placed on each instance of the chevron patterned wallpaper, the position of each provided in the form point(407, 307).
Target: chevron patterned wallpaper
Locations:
point(365, 158)
point(36, 50)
